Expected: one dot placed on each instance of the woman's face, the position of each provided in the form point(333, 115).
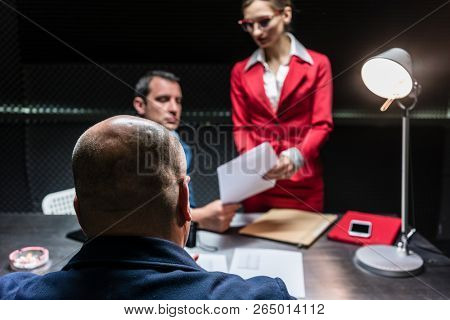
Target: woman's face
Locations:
point(268, 36)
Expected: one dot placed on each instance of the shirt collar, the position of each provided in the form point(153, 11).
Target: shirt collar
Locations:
point(175, 134)
point(132, 251)
point(297, 49)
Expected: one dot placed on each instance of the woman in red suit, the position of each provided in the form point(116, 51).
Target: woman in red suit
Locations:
point(282, 94)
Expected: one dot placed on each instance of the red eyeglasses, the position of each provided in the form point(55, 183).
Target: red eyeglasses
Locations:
point(262, 22)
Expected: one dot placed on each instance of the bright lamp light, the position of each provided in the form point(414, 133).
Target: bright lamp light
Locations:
point(386, 78)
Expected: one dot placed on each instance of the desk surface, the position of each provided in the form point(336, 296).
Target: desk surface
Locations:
point(329, 270)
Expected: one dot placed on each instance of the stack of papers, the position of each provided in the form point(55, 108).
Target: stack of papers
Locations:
point(248, 263)
point(286, 265)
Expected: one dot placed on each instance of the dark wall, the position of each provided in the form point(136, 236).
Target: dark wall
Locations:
point(444, 224)
point(11, 87)
point(205, 32)
point(363, 172)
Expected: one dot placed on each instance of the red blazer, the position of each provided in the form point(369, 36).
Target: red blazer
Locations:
point(303, 120)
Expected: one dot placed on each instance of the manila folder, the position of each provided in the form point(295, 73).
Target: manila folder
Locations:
point(288, 225)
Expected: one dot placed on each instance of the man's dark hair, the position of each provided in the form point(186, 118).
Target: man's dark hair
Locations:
point(142, 88)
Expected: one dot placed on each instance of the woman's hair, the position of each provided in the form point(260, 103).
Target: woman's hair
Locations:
point(276, 4)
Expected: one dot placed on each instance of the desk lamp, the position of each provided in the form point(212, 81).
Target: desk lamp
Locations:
point(389, 75)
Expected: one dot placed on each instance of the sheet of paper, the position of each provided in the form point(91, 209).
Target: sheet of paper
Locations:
point(243, 219)
point(286, 265)
point(213, 262)
point(242, 177)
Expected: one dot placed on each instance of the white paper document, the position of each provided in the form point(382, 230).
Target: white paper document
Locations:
point(242, 177)
point(213, 262)
point(286, 265)
point(243, 219)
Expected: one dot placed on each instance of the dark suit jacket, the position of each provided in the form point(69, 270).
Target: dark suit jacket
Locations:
point(303, 120)
point(136, 268)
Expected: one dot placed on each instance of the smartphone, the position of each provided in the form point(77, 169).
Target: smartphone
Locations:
point(359, 228)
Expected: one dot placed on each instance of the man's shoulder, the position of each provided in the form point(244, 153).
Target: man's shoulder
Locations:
point(184, 144)
point(29, 286)
point(130, 284)
point(228, 286)
point(12, 282)
point(187, 152)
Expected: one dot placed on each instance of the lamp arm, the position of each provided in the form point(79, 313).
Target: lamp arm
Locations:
point(405, 168)
point(417, 88)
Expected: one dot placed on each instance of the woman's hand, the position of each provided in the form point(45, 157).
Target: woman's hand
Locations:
point(284, 169)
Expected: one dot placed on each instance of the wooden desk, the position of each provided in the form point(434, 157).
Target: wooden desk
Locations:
point(329, 270)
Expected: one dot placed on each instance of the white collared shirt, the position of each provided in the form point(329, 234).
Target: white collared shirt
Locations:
point(273, 82)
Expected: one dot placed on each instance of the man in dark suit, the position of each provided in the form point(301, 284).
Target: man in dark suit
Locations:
point(132, 201)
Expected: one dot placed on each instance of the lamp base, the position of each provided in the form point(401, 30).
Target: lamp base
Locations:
point(388, 261)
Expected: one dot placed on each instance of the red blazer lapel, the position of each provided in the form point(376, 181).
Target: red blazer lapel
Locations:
point(254, 80)
point(296, 76)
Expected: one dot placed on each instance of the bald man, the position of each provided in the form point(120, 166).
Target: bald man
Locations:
point(158, 97)
point(132, 201)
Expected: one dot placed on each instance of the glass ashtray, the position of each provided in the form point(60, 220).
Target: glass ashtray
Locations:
point(28, 258)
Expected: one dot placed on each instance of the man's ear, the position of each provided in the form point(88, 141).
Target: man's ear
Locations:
point(184, 207)
point(76, 205)
point(139, 105)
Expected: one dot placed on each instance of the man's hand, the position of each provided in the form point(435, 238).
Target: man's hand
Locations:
point(215, 216)
point(284, 169)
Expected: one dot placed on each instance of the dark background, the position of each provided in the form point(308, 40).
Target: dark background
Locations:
point(50, 91)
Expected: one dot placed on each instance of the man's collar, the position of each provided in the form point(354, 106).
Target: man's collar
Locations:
point(136, 252)
point(297, 49)
point(175, 134)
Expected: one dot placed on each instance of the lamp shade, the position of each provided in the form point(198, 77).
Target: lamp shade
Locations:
point(389, 74)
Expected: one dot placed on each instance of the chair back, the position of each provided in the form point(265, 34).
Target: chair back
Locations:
point(59, 203)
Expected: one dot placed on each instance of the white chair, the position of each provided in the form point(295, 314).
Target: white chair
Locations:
point(59, 203)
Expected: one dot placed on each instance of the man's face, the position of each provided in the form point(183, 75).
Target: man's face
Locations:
point(163, 103)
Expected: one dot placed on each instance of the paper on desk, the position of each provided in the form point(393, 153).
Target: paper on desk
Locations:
point(242, 177)
point(286, 265)
point(213, 262)
point(243, 219)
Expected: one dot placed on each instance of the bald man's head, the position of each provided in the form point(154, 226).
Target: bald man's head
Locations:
point(127, 173)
